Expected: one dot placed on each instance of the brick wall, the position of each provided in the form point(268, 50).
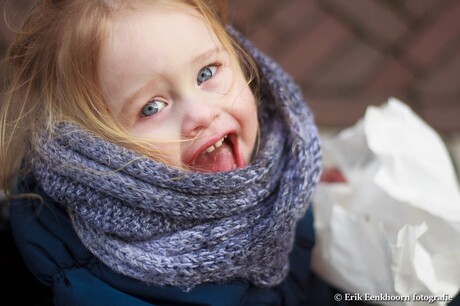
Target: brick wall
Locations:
point(349, 54)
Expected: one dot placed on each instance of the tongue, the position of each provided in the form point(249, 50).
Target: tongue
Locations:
point(219, 160)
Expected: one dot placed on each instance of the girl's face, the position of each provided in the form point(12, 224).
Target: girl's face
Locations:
point(167, 80)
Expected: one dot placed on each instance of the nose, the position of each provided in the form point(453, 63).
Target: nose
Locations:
point(198, 114)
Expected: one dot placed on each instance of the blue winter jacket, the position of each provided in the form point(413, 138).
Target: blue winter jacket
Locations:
point(57, 258)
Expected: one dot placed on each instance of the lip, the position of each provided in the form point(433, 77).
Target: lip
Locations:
point(194, 151)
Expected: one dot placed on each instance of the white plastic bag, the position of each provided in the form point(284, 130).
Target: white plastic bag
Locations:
point(394, 227)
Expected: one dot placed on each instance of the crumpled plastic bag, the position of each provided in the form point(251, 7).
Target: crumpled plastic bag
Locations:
point(394, 226)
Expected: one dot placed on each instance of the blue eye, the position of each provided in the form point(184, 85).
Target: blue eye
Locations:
point(152, 107)
point(205, 74)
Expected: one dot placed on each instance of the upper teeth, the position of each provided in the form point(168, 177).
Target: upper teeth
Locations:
point(216, 145)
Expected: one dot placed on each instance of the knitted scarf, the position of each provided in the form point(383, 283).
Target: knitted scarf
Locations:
point(168, 226)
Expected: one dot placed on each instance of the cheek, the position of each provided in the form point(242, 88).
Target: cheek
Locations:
point(249, 106)
point(164, 139)
point(248, 113)
point(167, 152)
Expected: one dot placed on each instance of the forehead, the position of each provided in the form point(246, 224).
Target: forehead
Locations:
point(148, 41)
point(156, 29)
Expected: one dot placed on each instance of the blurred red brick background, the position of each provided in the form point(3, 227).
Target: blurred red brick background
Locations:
point(350, 54)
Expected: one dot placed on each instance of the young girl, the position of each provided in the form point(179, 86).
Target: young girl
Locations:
point(160, 158)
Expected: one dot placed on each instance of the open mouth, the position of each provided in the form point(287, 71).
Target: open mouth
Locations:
point(219, 157)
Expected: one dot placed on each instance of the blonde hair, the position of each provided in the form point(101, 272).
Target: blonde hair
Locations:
point(53, 74)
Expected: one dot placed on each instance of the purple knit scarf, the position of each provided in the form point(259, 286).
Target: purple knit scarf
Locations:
point(165, 226)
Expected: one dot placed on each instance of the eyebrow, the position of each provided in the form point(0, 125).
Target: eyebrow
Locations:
point(198, 59)
point(207, 54)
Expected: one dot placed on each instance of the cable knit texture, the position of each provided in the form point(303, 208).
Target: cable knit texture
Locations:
point(166, 226)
